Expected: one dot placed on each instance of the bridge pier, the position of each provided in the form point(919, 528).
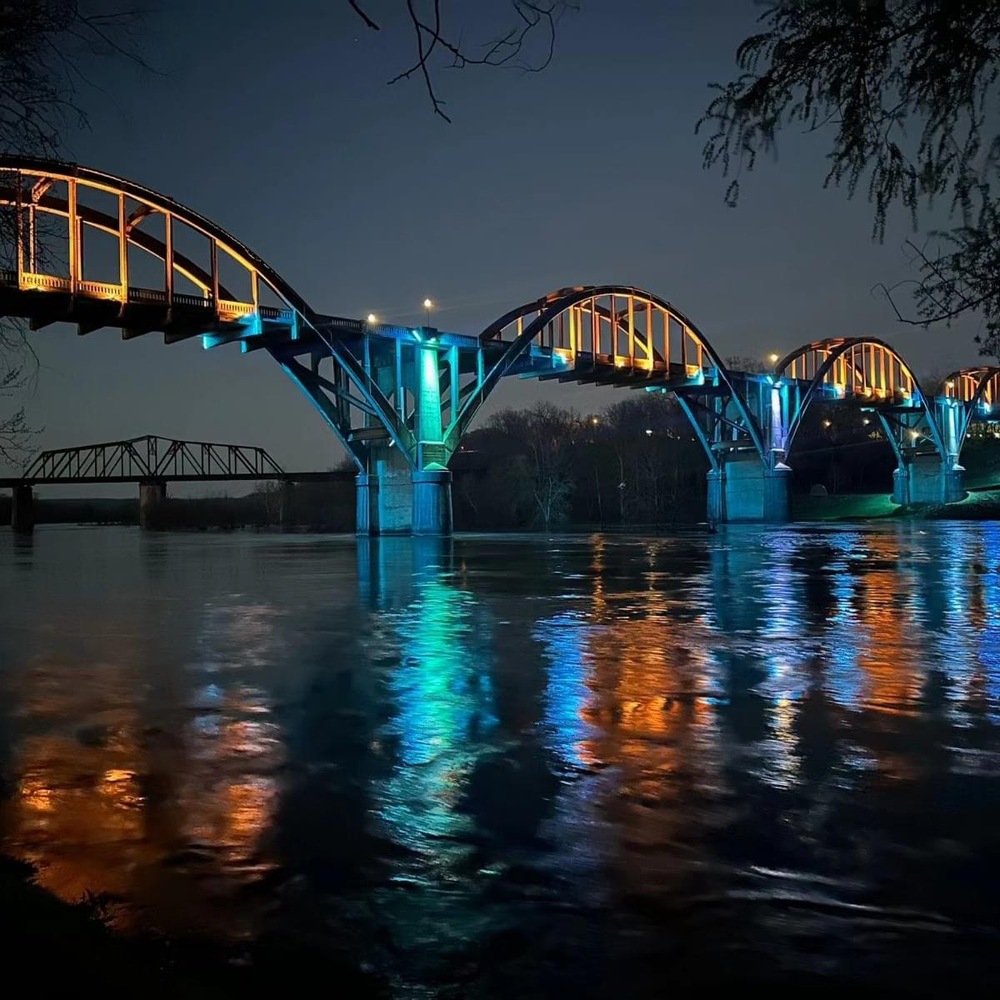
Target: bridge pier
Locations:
point(744, 489)
point(151, 496)
point(22, 509)
point(398, 500)
point(432, 502)
point(286, 504)
point(927, 479)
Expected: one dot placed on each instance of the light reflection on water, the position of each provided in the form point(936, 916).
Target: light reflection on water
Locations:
point(492, 753)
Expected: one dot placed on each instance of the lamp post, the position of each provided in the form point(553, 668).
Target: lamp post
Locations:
point(428, 306)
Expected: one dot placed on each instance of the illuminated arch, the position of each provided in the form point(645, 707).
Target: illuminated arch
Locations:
point(42, 174)
point(865, 369)
point(637, 334)
point(26, 186)
point(977, 391)
point(973, 386)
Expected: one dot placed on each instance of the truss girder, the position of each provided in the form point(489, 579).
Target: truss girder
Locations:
point(151, 458)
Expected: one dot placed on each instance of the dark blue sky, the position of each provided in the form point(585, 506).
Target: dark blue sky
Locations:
point(275, 120)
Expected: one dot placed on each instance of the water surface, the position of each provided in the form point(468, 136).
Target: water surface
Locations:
point(495, 766)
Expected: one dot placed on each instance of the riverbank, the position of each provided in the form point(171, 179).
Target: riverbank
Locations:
point(979, 505)
point(89, 956)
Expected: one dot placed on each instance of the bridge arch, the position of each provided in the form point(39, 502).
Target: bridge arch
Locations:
point(965, 395)
point(867, 370)
point(634, 336)
point(32, 188)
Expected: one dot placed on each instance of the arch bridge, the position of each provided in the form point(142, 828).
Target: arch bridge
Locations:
point(96, 250)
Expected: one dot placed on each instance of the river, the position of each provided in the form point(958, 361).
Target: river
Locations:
point(591, 765)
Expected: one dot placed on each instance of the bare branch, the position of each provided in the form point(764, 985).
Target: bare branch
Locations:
point(356, 7)
point(532, 17)
point(44, 47)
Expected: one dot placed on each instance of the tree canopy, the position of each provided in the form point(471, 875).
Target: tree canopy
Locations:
point(906, 92)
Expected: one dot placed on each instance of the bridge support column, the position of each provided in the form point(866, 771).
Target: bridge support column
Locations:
point(384, 504)
point(22, 510)
point(743, 488)
point(286, 505)
point(432, 502)
point(151, 497)
point(366, 504)
point(927, 479)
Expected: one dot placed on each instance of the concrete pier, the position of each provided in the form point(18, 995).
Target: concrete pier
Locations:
point(432, 502)
point(286, 505)
point(743, 489)
point(151, 496)
point(22, 510)
point(402, 501)
point(927, 479)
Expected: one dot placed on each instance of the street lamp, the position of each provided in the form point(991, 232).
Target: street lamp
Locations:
point(428, 306)
point(773, 358)
point(372, 319)
point(649, 432)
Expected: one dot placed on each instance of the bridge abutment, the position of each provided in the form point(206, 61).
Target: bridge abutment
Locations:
point(927, 480)
point(22, 509)
point(744, 489)
point(151, 497)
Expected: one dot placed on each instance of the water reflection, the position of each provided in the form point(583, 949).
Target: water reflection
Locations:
point(465, 760)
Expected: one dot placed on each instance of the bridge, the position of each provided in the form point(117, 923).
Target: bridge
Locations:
point(97, 250)
point(151, 462)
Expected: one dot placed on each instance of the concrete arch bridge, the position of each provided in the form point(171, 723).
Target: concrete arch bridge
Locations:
point(96, 250)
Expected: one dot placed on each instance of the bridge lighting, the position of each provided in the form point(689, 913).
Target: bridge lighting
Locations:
point(949, 385)
point(827, 423)
point(372, 319)
point(866, 421)
point(914, 435)
point(773, 358)
point(428, 306)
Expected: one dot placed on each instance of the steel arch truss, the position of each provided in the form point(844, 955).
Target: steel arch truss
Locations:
point(867, 371)
point(967, 396)
point(82, 238)
point(615, 335)
point(151, 458)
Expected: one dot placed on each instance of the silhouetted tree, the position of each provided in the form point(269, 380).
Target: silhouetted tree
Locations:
point(545, 472)
point(906, 91)
point(45, 46)
point(745, 363)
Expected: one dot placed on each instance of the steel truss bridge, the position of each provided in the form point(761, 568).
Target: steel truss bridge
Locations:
point(399, 399)
point(151, 462)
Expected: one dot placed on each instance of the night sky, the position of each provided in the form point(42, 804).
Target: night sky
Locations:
point(275, 120)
